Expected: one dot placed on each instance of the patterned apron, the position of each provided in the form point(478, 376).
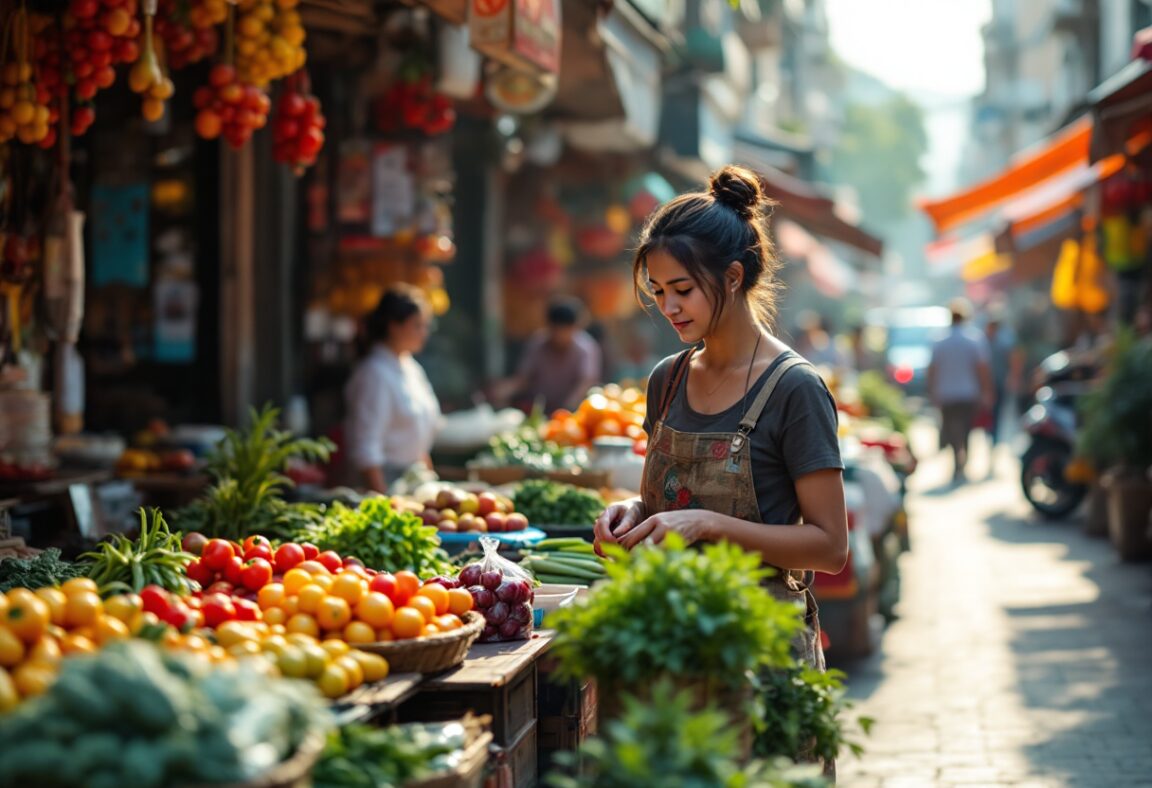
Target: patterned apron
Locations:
point(713, 470)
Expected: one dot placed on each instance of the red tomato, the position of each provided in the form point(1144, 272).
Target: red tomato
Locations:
point(155, 600)
point(385, 583)
point(256, 574)
point(217, 554)
point(220, 587)
point(234, 571)
point(194, 542)
point(217, 609)
point(259, 551)
point(310, 550)
point(407, 584)
point(331, 560)
point(288, 555)
point(246, 610)
point(256, 541)
point(199, 571)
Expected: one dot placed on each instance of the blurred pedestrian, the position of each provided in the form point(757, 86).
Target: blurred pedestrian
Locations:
point(392, 411)
point(559, 364)
point(959, 383)
point(1006, 361)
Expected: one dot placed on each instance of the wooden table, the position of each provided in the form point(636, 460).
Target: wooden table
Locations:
point(379, 698)
point(498, 679)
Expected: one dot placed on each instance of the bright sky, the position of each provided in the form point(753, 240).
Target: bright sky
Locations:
point(932, 50)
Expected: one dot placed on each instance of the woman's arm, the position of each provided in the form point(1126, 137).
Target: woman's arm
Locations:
point(820, 542)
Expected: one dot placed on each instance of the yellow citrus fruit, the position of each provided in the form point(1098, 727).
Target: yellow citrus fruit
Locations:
point(407, 623)
point(334, 613)
point(425, 605)
point(376, 609)
point(439, 596)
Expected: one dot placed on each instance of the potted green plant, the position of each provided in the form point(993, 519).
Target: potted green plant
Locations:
point(698, 617)
point(1117, 425)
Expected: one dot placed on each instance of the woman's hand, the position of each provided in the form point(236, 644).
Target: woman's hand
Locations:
point(616, 521)
point(691, 524)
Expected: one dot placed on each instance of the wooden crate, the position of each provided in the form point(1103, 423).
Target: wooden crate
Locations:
point(568, 713)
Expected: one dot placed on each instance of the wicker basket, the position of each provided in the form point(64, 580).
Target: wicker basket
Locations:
point(296, 772)
point(430, 654)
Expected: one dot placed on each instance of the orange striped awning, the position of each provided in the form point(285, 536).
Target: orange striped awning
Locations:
point(1066, 150)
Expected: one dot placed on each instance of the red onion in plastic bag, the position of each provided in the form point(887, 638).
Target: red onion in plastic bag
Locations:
point(501, 592)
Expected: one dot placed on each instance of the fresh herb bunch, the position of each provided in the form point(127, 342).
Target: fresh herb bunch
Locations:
point(45, 569)
point(670, 610)
point(664, 740)
point(380, 536)
point(802, 714)
point(555, 503)
point(366, 756)
point(153, 558)
point(247, 468)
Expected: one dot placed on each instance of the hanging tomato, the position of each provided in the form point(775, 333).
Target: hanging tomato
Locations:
point(298, 127)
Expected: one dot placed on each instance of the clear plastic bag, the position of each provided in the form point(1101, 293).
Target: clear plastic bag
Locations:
point(501, 592)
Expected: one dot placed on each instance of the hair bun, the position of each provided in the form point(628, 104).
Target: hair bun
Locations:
point(737, 188)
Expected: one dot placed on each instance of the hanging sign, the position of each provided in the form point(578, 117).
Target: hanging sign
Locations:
point(523, 34)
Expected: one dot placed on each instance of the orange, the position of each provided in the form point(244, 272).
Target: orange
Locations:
point(295, 579)
point(27, 615)
point(407, 584)
point(33, 678)
point(73, 643)
point(348, 587)
point(275, 615)
point(108, 628)
point(270, 595)
point(425, 605)
point(459, 601)
point(70, 587)
point(429, 630)
point(83, 609)
point(46, 650)
point(126, 607)
point(438, 594)
point(407, 623)
point(359, 632)
point(333, 613)
point(377, 609)
point(56, 601)
point(11, 649)
point(310, 597)
point(384, 635)
point(447, 623)
point(324, 581)
point(304, 624)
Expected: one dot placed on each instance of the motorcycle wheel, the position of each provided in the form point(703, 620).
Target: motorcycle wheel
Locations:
point(1042, 477)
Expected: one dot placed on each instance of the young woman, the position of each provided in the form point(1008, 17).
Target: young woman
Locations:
point(742, 431)
point(392, 412)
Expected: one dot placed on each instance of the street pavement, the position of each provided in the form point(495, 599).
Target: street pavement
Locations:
point(1023, 651)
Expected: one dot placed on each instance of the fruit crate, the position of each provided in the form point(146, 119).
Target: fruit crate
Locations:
point(568, 713)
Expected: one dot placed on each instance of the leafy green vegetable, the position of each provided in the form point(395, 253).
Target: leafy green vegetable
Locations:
point(1118, 414)
point(525, 448)
point(45, 569)
point(664, 740)
point(380, 536)
point(884, 401)
point(801, 714)
point(554, 503)
point(365, 756)
point(135, 715)
point(694, 614)
point(248, 482)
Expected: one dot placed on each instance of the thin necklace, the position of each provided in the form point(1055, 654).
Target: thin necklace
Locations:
point(748, 376)
point(728, 374)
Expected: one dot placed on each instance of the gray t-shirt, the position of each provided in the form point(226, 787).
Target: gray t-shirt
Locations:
point(796, 433)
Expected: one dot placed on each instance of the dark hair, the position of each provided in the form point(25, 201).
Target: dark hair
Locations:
point(708, 231)
point(565, 312)
point(398, 303)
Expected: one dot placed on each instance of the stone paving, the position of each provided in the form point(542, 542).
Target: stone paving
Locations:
point(1022, 655)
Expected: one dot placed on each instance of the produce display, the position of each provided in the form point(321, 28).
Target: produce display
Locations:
point(43, 568)
point(607, 412)
point(501, 591)
point(298, 128)
point(455, 510)
point(368, 756)
point(526, 448)
point(156, 557)
point(134, 715)
point(568, 561)
point(554, 503)
point(229, 107)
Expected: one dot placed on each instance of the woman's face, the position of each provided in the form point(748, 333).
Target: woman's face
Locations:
point(411, 334)
point(679, 297)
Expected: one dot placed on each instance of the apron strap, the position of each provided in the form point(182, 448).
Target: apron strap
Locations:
point(748, 423)
point(679, 367)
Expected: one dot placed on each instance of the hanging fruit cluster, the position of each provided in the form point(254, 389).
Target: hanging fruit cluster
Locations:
point(269, 40)
point(147, 77)
point(188, 29)
point(229, 108)
point(25, 113)
point(98, 35)
point(412, 103)
point(298, 127)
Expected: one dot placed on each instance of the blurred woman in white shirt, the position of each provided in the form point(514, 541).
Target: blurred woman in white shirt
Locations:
point(392, 412)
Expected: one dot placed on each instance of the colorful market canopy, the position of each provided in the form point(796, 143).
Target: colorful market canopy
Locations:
point(1064, 152)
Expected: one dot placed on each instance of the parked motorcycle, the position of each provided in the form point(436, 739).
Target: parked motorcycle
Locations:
point(1051, 424)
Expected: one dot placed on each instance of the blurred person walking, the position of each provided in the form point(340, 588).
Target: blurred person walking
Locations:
point(1006, 360)
point(392, 411)
point(959, 383)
